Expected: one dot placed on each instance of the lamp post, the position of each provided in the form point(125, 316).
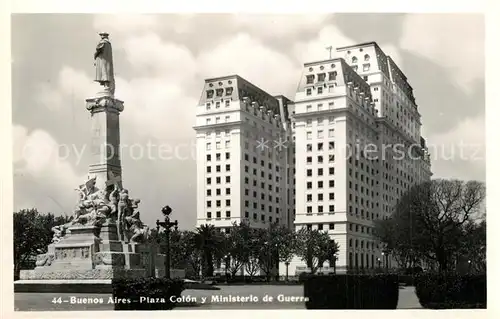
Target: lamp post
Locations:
point(226, 261)
point(167, 225)
point(379, 262)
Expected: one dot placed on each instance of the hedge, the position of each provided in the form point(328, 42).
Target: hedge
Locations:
point(146, 293)
point(451, 291)
point(379, 291)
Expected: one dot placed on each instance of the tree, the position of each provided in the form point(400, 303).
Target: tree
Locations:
point(474, 246)
point(209, 241)
point(310, 247)
point(253, 251)
point(238, 246)
point(429, 220)
point(32, 235)
point(286, 241)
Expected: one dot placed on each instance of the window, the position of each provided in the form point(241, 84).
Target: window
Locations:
point(309, 123)
point(209, 215)
point(210, 94)
point(331, 196)
point(320, 209)
point(308, 108)
point(217, 105)
point(330, 107)
point(219, 92)
point(227, 144)
point(209, 158)
point(354, 59)
point(309, 209)
point(320, 133)
point(209, 180)
point(332, 76)
point(366, 67)
point(229, 91)
point(320, 90)
point(309, 185)
point(321, 77)
point(310, 79)
point(320, 226)
point(367, 57)
point(331, 132)
point(331, 226)
point(228, 179)
point(209, 203)
point(320, 159)
point(228, 103)
point(309, 135)
point(309, 197)
point(217, 168)
point(309, 147)
point(320, 184)
point(320, 172)
point(309, 172)
point(331, 208)
point(217, 191)
point(320, 146)
point(320, 121)
point(217, 145)
point(228, 191)
point(227, 118)
point(320, 197)
point(217, 120)
point(209, 169)
point(228, 156)
point(208, 107)
point(209, 192)
point(228, 202)
point(308, 92)
point(209, 146)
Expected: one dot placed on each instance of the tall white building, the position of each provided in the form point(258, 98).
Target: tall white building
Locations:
point(244, 155)
point(358, 148)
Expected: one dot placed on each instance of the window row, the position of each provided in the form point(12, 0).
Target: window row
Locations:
point(218, 145)
point(331, 171)
point(219, 92)
point(218, 120)
point(218, 180)
point(218, 168)
point(218, 203)
point(330, 209)
point(320, 184)
point(320, 134)
point(320, 158)
point(218, 157)
point(330, 226)
point(262, 217)
point(217, 104)
point(218, 214)
point(218, 192)
point(321, 77)
point(309, 197)
point(319, 107)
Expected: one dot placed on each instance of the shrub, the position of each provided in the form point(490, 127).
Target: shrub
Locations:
point(135, 291)
point(451, 291)
point(351, 292)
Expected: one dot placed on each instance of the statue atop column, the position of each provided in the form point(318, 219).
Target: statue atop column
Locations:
point(103, 62)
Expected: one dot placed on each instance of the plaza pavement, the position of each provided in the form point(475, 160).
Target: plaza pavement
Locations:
point(43, 301)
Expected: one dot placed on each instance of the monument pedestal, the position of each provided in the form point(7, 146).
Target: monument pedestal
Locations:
point(82, 258)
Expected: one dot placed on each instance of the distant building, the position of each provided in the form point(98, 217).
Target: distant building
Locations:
point(357, 134)
point(244, 155)
point(336, 159)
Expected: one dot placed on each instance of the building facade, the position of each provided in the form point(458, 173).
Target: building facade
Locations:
point(243, 155)
point(336, 159)
point(358, 149)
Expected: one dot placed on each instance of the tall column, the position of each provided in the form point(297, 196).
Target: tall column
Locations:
point(105, 140)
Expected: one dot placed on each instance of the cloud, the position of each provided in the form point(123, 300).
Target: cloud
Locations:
point(315, 49)
point(244, 55)
point(40, 170)
point(148, 54)
point(279, 26)
point(126, 23)
point(70, 82)
point(454, 41)
point(460, 152)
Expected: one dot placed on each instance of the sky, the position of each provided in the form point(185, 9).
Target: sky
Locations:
point(161, 62)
